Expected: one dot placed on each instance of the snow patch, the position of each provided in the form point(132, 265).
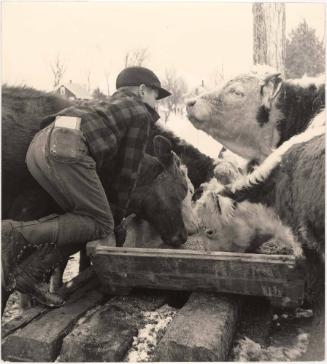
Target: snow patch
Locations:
point(301, 313)
point(155, 325)
point(248, 350)
point(72, 268)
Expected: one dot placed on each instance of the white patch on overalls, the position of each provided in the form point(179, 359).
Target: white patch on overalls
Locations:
point(70, 122)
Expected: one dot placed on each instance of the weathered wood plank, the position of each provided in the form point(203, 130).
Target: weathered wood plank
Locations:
point(107, 334)
point(22, 320)
point(202, 330)
point(41, 339)
point(277, 277)
point(30, 314)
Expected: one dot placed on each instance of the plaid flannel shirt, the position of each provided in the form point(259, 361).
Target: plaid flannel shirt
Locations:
point(117, 133)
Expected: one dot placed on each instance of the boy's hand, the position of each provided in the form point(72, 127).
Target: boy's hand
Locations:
point(120, 229)
point(120, 233)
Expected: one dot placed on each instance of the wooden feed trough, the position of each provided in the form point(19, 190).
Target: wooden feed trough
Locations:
point(280, 278)
point(95, 326)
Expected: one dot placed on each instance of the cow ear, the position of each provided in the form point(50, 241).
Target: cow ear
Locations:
point(270, 89)
point(162, 149)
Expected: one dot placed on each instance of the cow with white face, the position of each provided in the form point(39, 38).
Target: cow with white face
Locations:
point(256, 112)
point(281, 125)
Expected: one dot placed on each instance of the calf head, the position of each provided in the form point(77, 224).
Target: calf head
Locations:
point(160, 193)
point(242, 115)
point(214, 213)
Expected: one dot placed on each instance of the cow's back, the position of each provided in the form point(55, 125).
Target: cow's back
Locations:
point(23, 109)
point(300, 193)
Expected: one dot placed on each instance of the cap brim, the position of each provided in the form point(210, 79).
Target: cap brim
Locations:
point(162, 93)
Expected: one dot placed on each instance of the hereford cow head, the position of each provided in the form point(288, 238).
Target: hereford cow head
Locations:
point(161, 193)
point(242, 115)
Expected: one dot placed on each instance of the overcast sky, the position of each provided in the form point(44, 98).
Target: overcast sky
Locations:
point(194, 38)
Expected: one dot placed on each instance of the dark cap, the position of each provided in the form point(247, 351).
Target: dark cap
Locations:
point(136, 76)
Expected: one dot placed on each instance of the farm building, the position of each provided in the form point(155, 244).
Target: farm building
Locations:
point(73, 91)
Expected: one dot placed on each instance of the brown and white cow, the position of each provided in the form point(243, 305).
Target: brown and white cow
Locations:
point(255, 113)
point(281, 125)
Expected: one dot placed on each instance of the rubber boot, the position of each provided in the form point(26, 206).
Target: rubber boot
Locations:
point(34, 271)
point(17, 238)
point(65, 231)
point(38, 290)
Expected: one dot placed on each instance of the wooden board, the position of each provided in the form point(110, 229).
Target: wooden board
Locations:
point(40, 340)
point(278, 277)
point(30, 314)
point(202, 330)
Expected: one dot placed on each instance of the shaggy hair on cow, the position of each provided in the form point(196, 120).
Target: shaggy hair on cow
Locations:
point(298, 105)
point(263, 115)
point(292, 180)
point(18, 99)
point(200, 167)
point(239, 189)
point(246, 227)
point(23, 109)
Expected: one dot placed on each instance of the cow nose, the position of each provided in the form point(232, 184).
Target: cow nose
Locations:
point(179, 239)
point(190, 103)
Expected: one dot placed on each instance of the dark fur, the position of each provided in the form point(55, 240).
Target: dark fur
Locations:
point(23, 108)
point(296, 190)
point(200, 167)
point(299, 196)
point(298, 105)
point(263, 115)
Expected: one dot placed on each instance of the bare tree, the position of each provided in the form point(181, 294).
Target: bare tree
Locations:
point(177, 86)
point(58, 70)
point(98, 94)
point(136, 57)
point(269, 41)
point(107, 76)
point(218, 76)
point(89, 81)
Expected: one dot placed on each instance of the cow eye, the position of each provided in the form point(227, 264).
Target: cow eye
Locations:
point(236, 92)
point(209, 232)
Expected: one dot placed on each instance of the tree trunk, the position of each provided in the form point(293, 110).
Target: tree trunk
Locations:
point(269, 35)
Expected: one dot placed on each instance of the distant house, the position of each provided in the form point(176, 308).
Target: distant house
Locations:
point(73, 91)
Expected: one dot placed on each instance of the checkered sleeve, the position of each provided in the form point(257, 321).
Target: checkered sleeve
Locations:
point(132, 151)
point(102, 139)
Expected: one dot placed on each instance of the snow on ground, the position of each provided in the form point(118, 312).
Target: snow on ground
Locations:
point(13, 308)
point(248, 350)
point(300, 312)
point(155, 325)
point(72, 268)
point(182, 127)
